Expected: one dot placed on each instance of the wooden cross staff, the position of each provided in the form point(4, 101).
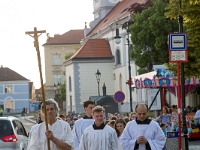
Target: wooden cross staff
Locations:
point(35, 35)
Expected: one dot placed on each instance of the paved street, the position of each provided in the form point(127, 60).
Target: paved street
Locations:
point(194, 145)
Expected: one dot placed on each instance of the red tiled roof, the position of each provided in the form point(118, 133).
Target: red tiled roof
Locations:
point(119, 11)
point(7, 74)
point(94, 48)
point(70, 37)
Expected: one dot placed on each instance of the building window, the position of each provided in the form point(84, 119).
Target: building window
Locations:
point(56, 59)
point(70, 103)
point(120, 82)
point(70, 84)
point(118, 57)
point(57, 79)
point(8, 89)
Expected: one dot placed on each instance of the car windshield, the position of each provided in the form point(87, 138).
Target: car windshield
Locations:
point(5, 128)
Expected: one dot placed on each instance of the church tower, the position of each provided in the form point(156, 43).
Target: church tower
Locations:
point(103, 7)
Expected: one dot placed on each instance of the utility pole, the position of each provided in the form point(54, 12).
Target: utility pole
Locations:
point(184, 128)
point(35, 34)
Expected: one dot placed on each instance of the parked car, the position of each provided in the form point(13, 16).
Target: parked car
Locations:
point(13, 135)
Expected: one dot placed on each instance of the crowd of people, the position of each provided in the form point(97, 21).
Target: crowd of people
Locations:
point(169, 117)
point(96, 131)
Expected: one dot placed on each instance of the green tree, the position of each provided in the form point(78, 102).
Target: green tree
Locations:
point(67, 56)
point(149, 35)
point(189, 10)
point(62, 95)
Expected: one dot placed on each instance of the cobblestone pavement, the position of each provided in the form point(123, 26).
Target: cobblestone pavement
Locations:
point(194, 144)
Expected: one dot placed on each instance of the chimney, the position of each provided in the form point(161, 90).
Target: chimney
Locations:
point(48, 36)
point(104, 89)
point(56, 35)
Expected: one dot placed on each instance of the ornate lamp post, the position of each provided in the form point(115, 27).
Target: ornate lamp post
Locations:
point(117, 41)
point(98, 77)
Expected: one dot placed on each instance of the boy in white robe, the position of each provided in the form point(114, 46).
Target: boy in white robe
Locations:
point(142, 133)
point(99, 136)
point(81, 124)
point(59, 132)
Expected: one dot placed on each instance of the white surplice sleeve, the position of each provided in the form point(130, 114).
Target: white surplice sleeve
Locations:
point(76, 133)
point(115, 145)
point(69, 137)
point(30, 134)
point(82, 145)
point(33, 142)
point(128, 141)
point(157, 142)
point(79, 126)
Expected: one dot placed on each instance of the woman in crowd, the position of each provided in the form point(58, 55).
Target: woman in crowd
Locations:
point(174, 118)
point(132, 116)
point(111, 123)
point(126, 119)
point(165, 118)
point(119, 126)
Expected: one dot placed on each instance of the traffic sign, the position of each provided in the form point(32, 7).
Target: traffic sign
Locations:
point(177, 42)
point(178, 56)
point(119, 96)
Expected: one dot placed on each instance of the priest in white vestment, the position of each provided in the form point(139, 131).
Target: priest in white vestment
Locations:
point(99, 136)
point(81, 124)
point(59, 132)
point(142, 133)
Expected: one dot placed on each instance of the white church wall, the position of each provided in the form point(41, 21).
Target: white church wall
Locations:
point(69, 73)
point(88, 83)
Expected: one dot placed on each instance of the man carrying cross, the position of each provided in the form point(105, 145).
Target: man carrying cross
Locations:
point(59, 132)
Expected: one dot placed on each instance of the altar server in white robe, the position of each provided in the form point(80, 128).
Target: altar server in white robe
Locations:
point(83, 123)
point(59, 132)
point(99, 136)
point(142, 133)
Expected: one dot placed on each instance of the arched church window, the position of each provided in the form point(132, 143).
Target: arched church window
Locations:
point(70, 84)
point(118, 57)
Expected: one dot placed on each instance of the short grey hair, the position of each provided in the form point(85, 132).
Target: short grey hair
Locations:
point(52, 101)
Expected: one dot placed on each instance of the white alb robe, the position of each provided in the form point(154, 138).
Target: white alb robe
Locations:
point(79, 126)
point(152, 132)
point(34, 127)
point(61, 130)
point(105, 139)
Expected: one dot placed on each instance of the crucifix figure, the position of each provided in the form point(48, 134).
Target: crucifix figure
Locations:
point(35, 34)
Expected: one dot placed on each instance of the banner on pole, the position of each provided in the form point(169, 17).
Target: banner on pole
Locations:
point(151, 93)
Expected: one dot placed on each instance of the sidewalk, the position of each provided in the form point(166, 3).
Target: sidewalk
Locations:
point(28, 118)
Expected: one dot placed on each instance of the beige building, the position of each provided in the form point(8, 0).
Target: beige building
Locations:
point(55, 51)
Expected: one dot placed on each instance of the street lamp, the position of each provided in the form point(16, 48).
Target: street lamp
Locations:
point(98, 76)
point(117, 41)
